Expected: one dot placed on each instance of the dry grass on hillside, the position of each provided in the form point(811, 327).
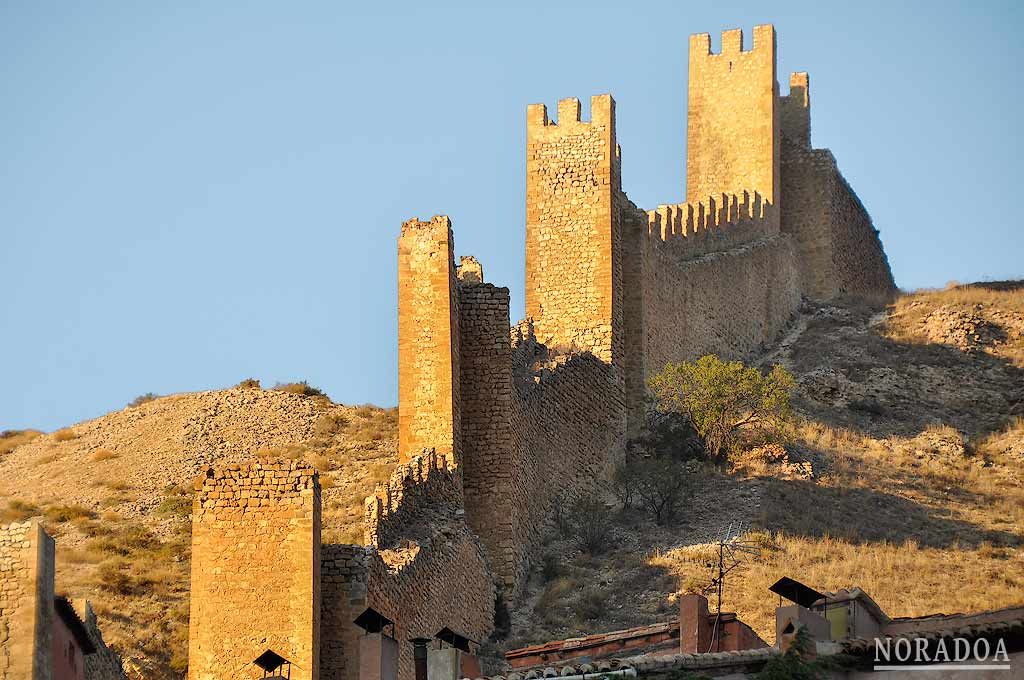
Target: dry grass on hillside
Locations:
point(120, 513)
point(917, 492)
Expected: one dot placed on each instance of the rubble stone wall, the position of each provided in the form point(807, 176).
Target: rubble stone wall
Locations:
point(489, 462)
point(839, 252)
point(255, 570)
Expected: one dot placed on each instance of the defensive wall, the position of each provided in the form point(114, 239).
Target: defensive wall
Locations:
point(498, 422)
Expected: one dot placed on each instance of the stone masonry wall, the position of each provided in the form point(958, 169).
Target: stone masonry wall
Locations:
point(105, 663)
point(732, 135)
point(26, 601)
point(839, 251)
point(417, 491)
point(568, 424)
point(488, 463)
point(573, 264)
point(423, 568)
point(428, 349)
point(255, 570)
point(728, 303)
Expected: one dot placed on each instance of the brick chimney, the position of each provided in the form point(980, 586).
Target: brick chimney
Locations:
point(694, 627)
point(454, 659)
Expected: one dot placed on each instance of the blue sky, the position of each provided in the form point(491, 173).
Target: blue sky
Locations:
point(196, 193)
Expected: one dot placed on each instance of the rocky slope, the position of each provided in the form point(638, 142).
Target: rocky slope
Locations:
point(902, 474)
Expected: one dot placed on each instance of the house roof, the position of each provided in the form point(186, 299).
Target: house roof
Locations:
point(855, 593)
point(590, 641)
point(935, 626)
point(596, 668)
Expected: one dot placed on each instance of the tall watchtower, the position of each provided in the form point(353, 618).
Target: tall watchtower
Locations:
point(573, 258)
point(732, 133)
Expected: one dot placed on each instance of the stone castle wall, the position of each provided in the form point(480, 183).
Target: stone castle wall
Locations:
point(26, 601)
point(490, 457)
point(732, 129)
point(104, 663)
point(839, 252)
point(255, 570)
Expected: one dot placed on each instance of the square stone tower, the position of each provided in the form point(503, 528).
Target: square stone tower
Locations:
point(255, 570)
point(573, 244)
point(428, 340)
point(732, 133)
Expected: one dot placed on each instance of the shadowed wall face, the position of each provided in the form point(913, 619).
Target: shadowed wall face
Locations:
point(255, 570)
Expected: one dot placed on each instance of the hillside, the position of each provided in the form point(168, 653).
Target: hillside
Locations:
point(116, 492)
point(902, 475)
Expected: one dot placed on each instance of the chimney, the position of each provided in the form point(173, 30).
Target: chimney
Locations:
point(419, 656)
point(453, 659)
point(378, 650)
point(694, 627)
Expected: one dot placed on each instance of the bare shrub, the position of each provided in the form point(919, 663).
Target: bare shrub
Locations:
point(301, 388)
point(102, 454)
point(249, 384)
point(662, 484)
point(143, 398)
point(589, 523)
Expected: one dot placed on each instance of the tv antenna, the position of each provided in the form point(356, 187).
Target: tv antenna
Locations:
point(731, 550)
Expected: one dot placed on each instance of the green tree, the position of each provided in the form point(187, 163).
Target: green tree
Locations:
point(723, 399)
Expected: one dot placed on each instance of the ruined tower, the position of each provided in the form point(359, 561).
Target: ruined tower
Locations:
point(573, 258)
point(428, 340)
point(732, 132)
point(255, 570)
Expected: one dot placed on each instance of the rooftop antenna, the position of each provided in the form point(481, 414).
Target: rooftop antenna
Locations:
point(731, 550)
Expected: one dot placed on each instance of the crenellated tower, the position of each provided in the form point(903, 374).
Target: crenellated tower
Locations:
point(573, 258)
point(732, 133)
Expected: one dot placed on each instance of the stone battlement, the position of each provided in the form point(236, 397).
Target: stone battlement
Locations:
point(715, 224)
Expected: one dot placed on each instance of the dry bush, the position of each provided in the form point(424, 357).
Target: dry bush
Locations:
point(589, 523)
point(18, 511)
point(101, 454)
point(143, 398)
point(301, 388)
point(321, 463)
point(249, 384)
point(48, 458)
point(327, 482)
point(67, 513)
point(65, 435)
point(12, 439)
point(330, 423)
